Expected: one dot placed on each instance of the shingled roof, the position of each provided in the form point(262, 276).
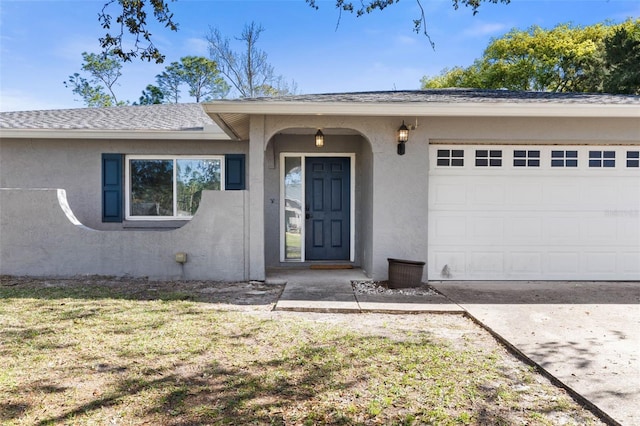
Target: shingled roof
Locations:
point(456, 96)
point(164, 117)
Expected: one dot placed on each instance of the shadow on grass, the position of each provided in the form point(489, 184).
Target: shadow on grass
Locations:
point(314, 384)
point(95, 287)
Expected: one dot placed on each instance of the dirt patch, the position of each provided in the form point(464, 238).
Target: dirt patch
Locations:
point(228, 295)
point(85, 351)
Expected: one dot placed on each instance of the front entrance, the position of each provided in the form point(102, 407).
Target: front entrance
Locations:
point(327, 208)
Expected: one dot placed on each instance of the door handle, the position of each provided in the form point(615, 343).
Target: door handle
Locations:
point(308, 216)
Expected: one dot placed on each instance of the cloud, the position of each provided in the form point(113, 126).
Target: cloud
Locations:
point(484, 29)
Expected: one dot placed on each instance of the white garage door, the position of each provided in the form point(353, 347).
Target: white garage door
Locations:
point(534, 212)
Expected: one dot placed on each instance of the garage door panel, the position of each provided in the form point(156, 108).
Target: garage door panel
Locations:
point(524, 195)
point(486, 262)
point(563, 263)
point(452, 263)
point(525, 263)
point(488, 194)
point(486, 230)
point(450, 194)
point(600, 262)
point(562, 228)
point(524, 228)
point(534, 223)
point(630, 263)
point(449, 228)
point(599, 229)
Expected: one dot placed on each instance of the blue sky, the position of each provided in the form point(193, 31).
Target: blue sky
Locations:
point(41, 41)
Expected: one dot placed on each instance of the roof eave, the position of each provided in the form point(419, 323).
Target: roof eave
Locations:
point(112, 134)
point(423, 109)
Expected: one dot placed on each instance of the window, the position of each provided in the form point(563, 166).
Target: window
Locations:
point(602, 158)
point(450, 158)
point(169, 187)
point(524, 158)
point(488, 158)
point(564, 158)
point(633, 158)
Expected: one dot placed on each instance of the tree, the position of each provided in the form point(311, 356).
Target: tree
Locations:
point(169, 82)
point(203, 78)
point(248, 70)
point(622, 59)
point(563, 59)
point(103, 71)
point(131, 18)
point(199, 74)
point(151, 95)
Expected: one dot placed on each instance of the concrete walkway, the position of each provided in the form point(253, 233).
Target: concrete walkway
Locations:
point(584, 334)
point(331, 291)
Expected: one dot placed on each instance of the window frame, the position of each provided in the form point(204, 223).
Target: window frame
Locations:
point(602, 159)
point(174, 158)
point(494, 158)
point(631, 161)
point(564, 159)
point(453, 161)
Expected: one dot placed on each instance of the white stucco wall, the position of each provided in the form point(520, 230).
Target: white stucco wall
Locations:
point(40, 236)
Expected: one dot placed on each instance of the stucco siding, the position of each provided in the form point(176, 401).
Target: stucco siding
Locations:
point(40, 237)
point(75, 165)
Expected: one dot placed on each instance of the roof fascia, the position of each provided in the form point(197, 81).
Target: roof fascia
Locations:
point(431, 109)
point(110, 134)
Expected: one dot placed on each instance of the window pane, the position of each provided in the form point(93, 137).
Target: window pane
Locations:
point(443, 161)
point(595, 154)
point(443, 153)
point(194, 176)
point(292, 208)
point(535, 154)
point(457, 153)
point(151, 187)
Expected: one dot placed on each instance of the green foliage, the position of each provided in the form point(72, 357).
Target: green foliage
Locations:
point(199, 74)
point(203, 78)
point(98, 89)
point(169, 82)
point(419, 25)
point(565, 58)
point(622, 59)
point(133, 19)
point(151, 95)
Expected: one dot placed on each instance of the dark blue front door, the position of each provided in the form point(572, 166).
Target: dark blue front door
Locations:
point(328, 208)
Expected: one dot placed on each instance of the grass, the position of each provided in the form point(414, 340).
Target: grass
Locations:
point(90, 355)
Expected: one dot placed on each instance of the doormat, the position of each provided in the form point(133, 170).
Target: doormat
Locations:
point(330, 267)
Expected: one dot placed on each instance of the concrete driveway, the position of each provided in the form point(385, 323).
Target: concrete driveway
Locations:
point(585, 334)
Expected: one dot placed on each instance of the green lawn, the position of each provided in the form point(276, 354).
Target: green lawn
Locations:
point(90, 355)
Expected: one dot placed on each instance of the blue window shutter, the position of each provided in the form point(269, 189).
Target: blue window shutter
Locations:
point(112, 187)
point(234, 170)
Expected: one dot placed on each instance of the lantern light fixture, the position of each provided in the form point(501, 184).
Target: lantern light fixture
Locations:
point(319, 139)
point(403, 137)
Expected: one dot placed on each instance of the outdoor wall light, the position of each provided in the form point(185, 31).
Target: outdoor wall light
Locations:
point(403, 136)
point(319, 139)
